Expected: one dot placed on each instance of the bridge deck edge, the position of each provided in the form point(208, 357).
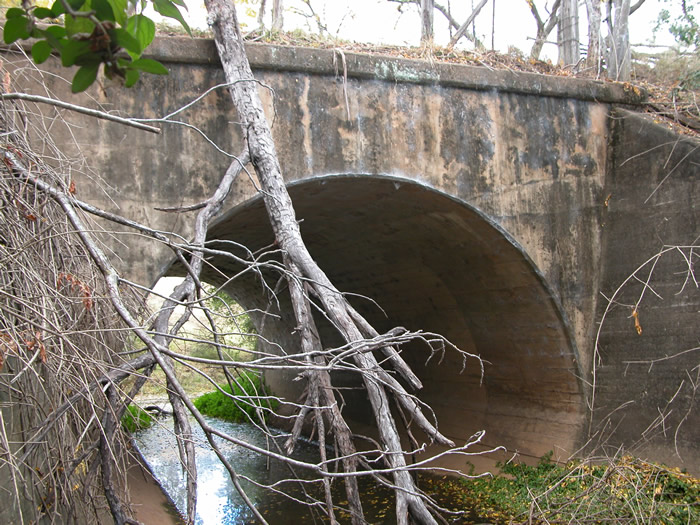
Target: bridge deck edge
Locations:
point(400, 70)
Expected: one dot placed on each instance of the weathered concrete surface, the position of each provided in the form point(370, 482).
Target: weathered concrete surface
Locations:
point(462, 200)
point(643, 397)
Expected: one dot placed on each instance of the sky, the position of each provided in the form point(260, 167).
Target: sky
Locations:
point(380, 22)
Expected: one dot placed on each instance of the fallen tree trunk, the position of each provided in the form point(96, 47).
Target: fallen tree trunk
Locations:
point(302, 268)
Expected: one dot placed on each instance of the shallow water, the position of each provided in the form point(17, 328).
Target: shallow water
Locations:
point(217, 500)
point(218, 503)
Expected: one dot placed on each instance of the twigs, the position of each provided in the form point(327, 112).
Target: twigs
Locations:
point(680, 368)
point(617, 489)
point(17, 166)
point(79, 109)
point(57, 335)
point(614, 299)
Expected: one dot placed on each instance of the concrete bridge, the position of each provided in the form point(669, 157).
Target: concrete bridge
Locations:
point(497, 208)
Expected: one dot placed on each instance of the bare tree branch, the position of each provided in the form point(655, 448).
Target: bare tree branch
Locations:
point(465, 26)
point(79, 109)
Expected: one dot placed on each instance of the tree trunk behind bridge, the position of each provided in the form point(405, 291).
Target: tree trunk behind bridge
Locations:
point(567, 34)
point(426, 17)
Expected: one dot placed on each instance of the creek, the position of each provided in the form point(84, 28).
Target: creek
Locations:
point(218, 503)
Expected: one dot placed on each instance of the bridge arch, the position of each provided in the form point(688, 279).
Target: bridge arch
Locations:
point(432, 262)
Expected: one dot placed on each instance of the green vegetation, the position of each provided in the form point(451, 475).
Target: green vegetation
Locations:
point(90, 34)
point(135, 418)
point(236, 333)
point(231, 319)
point(683, 27)
point(246, 391)
point(622, 490)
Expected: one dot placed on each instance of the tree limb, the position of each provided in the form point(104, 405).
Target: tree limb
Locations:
point(639, 4)
point(79, 109)
point(463, 29)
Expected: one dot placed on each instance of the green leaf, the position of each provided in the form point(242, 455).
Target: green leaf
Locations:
point(71, 50)
point(84, 78)
point(144, 29)
point(132, 76)
point(126, 40)
point(119, 8)
point(180, 3)
point(15, 29)
point(14, 12)
point(78, 25)
point(42, 12)
point(53, 36)
point(79, 5)
point(89, 59)
point(149, 66)
point(170, 10)
point(103, 10)
point(56, 31)
point(57, 9)
point(41, 51)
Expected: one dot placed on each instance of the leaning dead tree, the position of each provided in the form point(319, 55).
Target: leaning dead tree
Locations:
point(109, 384)
point(544, 27)
point(427, 8)
point(307, 281)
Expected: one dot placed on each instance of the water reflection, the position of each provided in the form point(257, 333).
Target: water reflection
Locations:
point(218, 503)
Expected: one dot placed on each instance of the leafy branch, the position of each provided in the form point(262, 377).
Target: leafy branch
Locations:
point(91, 34)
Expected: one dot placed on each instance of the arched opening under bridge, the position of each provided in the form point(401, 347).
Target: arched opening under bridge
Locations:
point(434, 263)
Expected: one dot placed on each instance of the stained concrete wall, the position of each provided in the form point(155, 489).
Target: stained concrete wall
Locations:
point(646, 395)
point(465, 201)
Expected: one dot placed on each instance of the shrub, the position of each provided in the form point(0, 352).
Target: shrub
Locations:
point(136, 418)
point(238, 406)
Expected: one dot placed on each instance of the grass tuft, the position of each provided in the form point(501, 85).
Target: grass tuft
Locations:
point(136, 418)
point(242, 405)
